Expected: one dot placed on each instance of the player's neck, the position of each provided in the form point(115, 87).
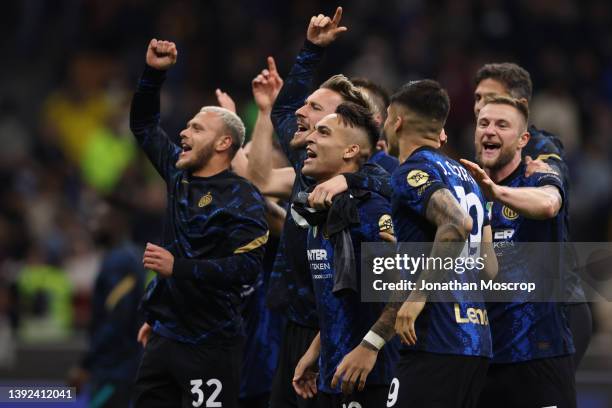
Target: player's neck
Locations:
point(501, 174)
point(215, 165)
point(350, 167)
point(409, 143)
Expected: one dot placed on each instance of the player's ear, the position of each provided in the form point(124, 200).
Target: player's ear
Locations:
point(399, 122)
point(351, 151)
point(223, 143)
point(524, 139)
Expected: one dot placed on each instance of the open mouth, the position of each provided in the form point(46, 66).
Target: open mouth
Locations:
point(310, 154)
point(186, 147)
point(490, 147)
point(302, 126)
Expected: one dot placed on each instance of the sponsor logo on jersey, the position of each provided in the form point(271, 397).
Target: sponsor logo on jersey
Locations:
point(205, 200)
point(509, 213)
point(503, 235)
point(472, 315)
point(417, 178)
point(385, 224)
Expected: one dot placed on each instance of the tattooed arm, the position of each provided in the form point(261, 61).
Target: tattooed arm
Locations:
point(453, 225)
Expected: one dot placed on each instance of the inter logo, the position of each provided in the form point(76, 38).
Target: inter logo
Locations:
point(205, 200)
point(385, 224)
point(509, 213)
point(417, 178)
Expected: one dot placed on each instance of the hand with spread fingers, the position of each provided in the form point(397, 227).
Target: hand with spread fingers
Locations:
point(323, 30)
point(158, 259)
point(488, 186)
point(161, 55)
point(354, 369)
point(266, 87)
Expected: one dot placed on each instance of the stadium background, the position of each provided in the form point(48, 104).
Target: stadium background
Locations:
point(69, 67)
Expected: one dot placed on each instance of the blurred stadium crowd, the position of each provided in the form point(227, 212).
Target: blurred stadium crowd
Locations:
point(70, 67)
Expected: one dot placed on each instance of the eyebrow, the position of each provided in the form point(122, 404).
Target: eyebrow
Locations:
point(322, 128)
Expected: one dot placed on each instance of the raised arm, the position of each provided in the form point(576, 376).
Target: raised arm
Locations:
point(266, 87)
point(145, 108)
point(321, 32)
point(539, 203)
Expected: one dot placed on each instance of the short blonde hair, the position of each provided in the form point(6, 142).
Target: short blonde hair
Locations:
point(232, 125)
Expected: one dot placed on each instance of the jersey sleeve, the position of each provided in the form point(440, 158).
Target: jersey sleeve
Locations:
point(145, 123)
point(370, 177)
point(415, 182)
point(375, 217)
point(247, 234)
point(548, 148)
point(548, 179)
point(297, 86)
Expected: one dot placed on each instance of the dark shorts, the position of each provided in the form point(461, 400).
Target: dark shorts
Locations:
point(110, 394)
point(580, 323)
point(296, 341)
point(429, 380)
point(547, 382)
point(371, 397)
point(173, 374)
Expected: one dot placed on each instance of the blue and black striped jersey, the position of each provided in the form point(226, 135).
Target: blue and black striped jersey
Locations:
point(290, 284)
point(441, 327)
point(523, 331)
point(215, 227)
point(343, 318)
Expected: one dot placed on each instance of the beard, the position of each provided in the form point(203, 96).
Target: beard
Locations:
point(392, 144)
point(506, 154)
point(199, 159)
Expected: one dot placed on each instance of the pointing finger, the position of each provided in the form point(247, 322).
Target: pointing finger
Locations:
point(272, 65)
point(337, 16)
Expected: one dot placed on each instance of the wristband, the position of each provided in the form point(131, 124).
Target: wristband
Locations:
point(375, 340)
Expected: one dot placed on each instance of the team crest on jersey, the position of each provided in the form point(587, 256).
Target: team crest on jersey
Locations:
point(417, 178)
point(385, 224)
point(509, 213)
point(205, 200)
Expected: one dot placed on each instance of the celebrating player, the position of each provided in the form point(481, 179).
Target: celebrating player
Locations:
point(507, 79)
point(342, 143)
point(532, 343)
point(445, 359)
point(380, 100)
point(295, 114)
point(213, 245)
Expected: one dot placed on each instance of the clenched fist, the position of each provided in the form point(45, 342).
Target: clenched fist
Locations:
point(161, 55)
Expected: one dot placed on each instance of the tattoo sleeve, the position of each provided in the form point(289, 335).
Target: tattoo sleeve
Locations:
point(453, 227)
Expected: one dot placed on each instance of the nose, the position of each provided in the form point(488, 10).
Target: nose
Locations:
point(183, 133)
point(310, 138)
point(301, 111)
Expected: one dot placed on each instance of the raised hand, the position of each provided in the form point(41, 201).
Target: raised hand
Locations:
point(161, 55)
point(488, 186)
point(225, 101)
point(323, 30)
point(266, 87)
